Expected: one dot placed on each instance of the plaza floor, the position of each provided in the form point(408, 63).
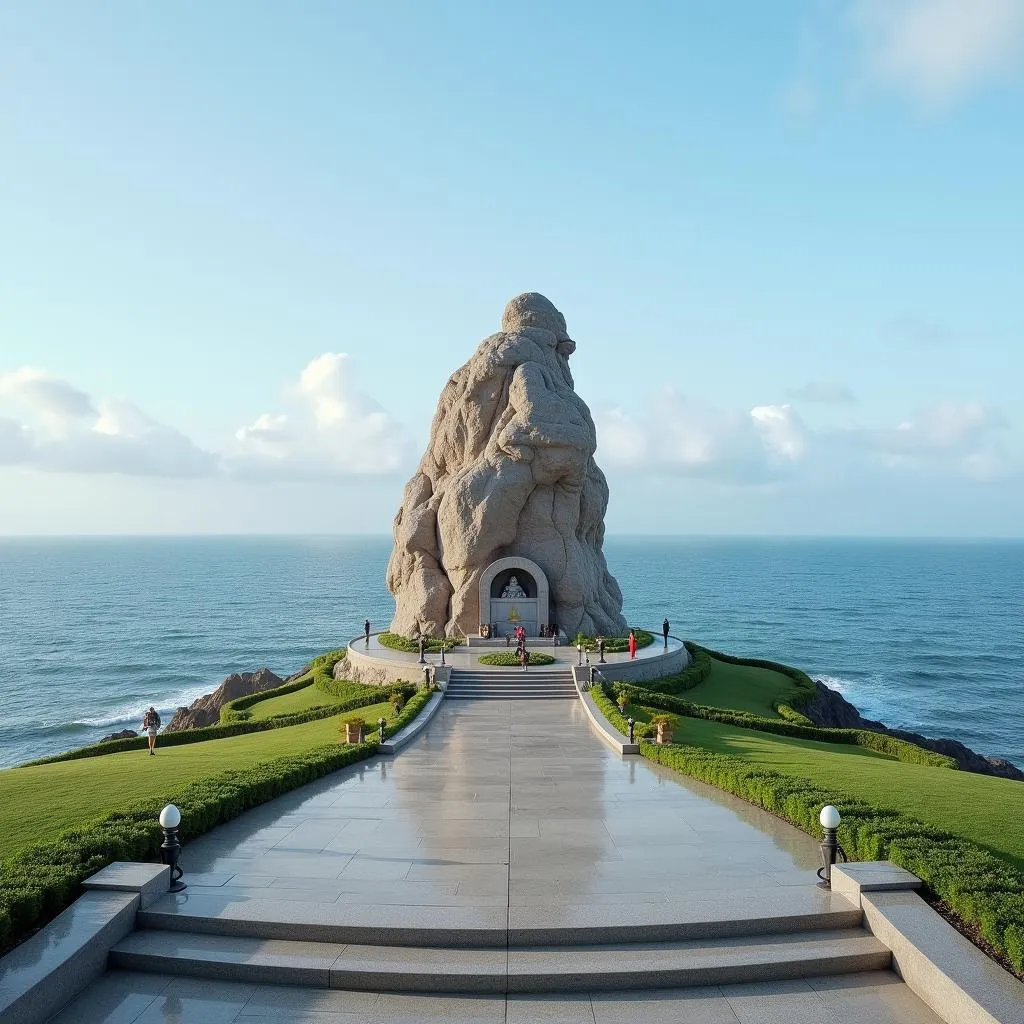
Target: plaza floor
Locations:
point(502, 815)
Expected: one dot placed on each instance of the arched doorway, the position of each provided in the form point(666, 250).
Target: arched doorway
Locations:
point(514, 592)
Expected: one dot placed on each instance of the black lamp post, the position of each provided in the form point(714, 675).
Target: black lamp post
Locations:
point(423, 646)
point(381, 722)
point(829, 846)
point(170, 848)
point(579, 647)
point(630, 723)
point(442, 650)
point(600, 651)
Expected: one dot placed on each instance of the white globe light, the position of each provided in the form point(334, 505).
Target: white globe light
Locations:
point(170, 817)
point(829, 817)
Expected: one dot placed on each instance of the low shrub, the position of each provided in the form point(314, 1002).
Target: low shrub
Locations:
point(978, 887)
point(508, 658)
point(902, 750)
point(397, 642)
point(397, 700)
point(615, 644)
point(693, 675)
point(38, 883)
point(237, 710)
point(415, 704)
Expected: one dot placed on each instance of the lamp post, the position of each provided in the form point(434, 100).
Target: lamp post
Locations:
point(170, 848)
point(630, 723)
point(829, 846)
point(579, 647)
point(423, 647)
point(600, 650)
point(442, 650)
point(381, 722)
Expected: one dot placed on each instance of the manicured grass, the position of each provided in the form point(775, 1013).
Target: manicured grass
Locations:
point(980, 808)
point(302, 700)
point(38, 803)
point(744, 688)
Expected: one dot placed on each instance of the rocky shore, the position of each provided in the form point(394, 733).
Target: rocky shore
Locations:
point(206, 710)
point(831, 708)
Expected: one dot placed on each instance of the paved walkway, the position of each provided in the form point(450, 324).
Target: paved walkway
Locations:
point(503, 811)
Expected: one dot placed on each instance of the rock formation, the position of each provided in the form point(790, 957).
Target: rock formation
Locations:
point(509, 470)
point(831, 708)
point(124, 734)
point(206, 710)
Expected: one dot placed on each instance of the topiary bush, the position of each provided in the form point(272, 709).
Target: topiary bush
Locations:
point(397, 642)
point(615, 644)
point(509, 658)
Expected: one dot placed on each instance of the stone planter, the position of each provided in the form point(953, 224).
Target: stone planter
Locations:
point(354, 732)
point(664, 732)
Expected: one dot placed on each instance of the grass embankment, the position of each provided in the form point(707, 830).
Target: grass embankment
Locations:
point(900, 802)
point(64, 819)
point(40, 801)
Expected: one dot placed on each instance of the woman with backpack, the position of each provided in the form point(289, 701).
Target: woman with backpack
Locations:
point(150, 726)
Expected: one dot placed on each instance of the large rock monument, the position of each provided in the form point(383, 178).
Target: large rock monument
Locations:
point(503, 521)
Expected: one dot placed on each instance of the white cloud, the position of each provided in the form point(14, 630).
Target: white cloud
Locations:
point(958, 436)
point(61, 429)
point(687, 438)
point(332, 429)
point(939, 50)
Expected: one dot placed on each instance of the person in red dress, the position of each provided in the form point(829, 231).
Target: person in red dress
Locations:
point(632, 644)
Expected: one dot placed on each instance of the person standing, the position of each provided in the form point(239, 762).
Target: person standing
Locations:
point(150, 726)
point(664, 631)
point(524, 657)
point(366, 631)
point(632, 645)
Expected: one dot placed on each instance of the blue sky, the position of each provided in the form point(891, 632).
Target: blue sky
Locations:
point(242, 246)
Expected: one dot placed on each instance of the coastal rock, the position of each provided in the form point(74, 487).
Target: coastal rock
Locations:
point(206, 710)
point(830, 708)
point(509, 470)
point(124, 734)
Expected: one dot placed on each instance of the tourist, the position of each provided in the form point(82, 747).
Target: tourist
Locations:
point(366, 631)
point(524, 657)
point(600, 650)
point(150, 726)
point(664, 631)
point(632, 645)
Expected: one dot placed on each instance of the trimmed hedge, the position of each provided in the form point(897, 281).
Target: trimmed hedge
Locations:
point(616, 644)
point(902, 750)
point(977, 886)
point(415, 704)
point(509, 658)
point(693, 675)
point(397, 642)
point(38, 883)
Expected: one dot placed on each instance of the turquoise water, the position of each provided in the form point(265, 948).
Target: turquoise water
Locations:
point(924, 635)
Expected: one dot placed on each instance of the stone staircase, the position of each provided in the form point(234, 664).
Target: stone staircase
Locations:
point(312, 945)
point(539, 683)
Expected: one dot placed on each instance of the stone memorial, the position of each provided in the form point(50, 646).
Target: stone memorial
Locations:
point(503, 522)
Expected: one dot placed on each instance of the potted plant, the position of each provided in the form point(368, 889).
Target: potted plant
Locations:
point(663, 724)
point(354, 729)
point(623, 701)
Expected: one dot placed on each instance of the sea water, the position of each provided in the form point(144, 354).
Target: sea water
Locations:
point(924, 635)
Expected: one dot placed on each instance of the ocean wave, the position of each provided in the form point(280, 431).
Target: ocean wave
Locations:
point(133, 711)
point(837, 683)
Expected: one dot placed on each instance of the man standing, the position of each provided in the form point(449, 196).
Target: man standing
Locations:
point(664, 630)
point(366, 631)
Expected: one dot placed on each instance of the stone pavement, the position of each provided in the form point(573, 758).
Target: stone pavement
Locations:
point(501, 816)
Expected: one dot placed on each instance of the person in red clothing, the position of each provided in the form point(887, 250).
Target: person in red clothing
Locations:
point(632, 644)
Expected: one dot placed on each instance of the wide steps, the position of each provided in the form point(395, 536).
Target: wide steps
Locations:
point(516, 969)
point(784, 910)
point(511, 684)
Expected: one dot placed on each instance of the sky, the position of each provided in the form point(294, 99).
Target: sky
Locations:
point(243, 246)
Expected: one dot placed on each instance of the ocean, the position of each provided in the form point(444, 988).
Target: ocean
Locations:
point(924, 635)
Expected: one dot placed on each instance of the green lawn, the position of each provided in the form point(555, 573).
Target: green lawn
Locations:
point(37, 803)
point(742, 687)
point(983, 809)
point(292, 703)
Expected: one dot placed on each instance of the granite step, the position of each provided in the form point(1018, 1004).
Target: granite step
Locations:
point(786, 909)
point(517, 969)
